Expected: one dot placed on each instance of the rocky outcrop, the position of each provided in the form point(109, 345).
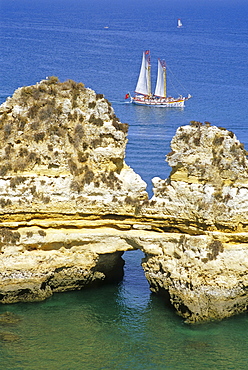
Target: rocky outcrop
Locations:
point(63, 181)
point(62, 147)
point(70, 205)
point(204, 263)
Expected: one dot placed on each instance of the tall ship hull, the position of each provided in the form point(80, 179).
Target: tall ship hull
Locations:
point(160, 102)
point(143, 94)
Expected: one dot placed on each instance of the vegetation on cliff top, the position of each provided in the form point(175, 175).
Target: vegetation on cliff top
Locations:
point(58, 125)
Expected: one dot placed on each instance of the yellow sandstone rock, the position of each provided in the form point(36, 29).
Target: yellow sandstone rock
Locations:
point(70, 205)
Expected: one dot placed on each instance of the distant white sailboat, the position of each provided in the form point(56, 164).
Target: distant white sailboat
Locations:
point(179, 23)
point(143, 93)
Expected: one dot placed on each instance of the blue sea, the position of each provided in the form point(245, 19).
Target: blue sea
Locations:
point(100, 43)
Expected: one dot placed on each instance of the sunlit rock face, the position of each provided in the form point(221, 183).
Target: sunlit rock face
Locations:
point(62, 172)
point(204, 264)
point(70, 206)
point(62, 148)
point(209, 177)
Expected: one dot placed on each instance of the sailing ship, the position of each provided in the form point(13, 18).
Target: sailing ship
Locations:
point(179, 23)
point(143, 93)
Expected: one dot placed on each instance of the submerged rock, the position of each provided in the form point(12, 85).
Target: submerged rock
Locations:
point(9, 318)
point(70, 206)
point(9, 337)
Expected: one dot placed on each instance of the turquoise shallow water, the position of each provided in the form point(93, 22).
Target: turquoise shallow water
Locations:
point(124, 326)
point(119, 327)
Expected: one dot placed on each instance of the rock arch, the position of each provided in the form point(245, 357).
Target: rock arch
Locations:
point(70, 205)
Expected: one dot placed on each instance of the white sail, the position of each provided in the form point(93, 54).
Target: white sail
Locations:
point(179, 23)
point(160, 89)
point(143, 84)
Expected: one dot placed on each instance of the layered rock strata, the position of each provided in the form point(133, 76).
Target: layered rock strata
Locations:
point(204, 263)
point(70, 206)
point(63, 183)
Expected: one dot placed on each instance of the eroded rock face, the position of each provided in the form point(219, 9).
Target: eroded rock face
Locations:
point(63, 148)
point(209, 179)
point(70, 206)
point(62, 172)
point(204, 265)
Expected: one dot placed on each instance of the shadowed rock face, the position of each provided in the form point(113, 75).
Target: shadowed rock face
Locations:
point(70, 206)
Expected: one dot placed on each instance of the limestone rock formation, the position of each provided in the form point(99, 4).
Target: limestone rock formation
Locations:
point(62, 147)
point(204, 203)
point(70, 205)
point(62, 171)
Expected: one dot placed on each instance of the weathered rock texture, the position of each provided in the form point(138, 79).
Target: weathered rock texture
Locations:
point(62, 177)
point(204, 262)
point(70, 206)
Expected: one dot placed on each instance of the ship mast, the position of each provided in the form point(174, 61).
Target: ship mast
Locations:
point(163, 64)
point(149, 83)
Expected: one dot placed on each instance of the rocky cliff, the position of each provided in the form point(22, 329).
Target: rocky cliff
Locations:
point(203, 208)
point(70, 206)
point(63, 181)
